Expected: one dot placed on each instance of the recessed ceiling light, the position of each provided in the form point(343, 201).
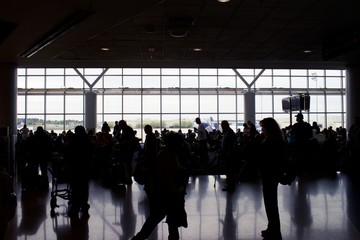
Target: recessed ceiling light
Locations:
point(223, 1)
point(197, 49)
point(307, 51)
point(104, 49)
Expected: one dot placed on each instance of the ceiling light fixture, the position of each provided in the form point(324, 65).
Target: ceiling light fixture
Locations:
point(307, 51)
point(223, 1)
point(197, 49)
point(105, 49)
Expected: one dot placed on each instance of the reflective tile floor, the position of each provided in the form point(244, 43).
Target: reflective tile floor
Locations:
point(312, 208)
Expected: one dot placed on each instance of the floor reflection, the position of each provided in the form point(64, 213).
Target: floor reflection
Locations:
point(312, 208)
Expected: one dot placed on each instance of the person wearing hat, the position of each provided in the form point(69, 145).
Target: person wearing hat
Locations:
point(302, 133)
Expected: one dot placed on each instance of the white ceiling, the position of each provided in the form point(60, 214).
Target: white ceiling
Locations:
point(140, 33)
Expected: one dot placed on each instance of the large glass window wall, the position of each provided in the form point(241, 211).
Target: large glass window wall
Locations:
point(173, 97)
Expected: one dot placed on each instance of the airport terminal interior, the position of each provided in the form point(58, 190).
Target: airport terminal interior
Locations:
point(65, 63)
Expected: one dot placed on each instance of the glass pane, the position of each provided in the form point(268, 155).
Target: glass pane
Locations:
point(189, 82)
point(189, 71)
point(263, 103)
point(208, 82)
point(153, 120)
point(227, 82)
point(278, 103)
point(71, 121)
point(170, 104)
point(73, 82)
point(21, 104)
point(208, 104)
point(281, 72)
point(151, 82)
point(55, 104)
point(71, 71)
point(98, 84)
point(114, 71)
point(55, 123)
point(74, 104)
point(298, 72)
point(264, 82)
point(189, 104)
point(36, 82)
point(188, 122)
point(99, 103)
point(92, 71)
point(316, 82)
point(112, 81)
point(316, 72)
point(227, 104)
point(317, 103)
point(240, 83)
point(170, 71)
point(55, 82)
point(21, 82)
point(132, 103)
point(334, 103)
point(21, 71)
point(151, 71)
point(246, 71)
point(240, 103)
point(298, 82)
point(35, 71)
point(112, 104)
point(20, 121)
point(171, 121)
point(226, 71)
point(334, 120)
point(55, 71)
point(281, 82)
point(132, 71)
point(208, 71)
point(333, 72)
point(151, 103)
point(333, 82)
point(132, 81)
point(33, 121)
point(35, 104)
point(170, 82)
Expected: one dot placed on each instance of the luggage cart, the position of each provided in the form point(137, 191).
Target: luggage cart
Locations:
point(60, 186)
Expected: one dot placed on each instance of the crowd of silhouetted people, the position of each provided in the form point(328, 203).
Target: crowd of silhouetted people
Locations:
point(168, 158)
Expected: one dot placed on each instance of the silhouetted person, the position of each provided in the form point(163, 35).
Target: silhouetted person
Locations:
point(151, 148)
point(116, 130)
point(78, 156)
point(302, 133)
point(41, 153)
point(146, 157)
point(315, 127)
point(273, 152)
point(202, 139)
point(105, 128)
point(127, 144)
point(228, 155)
point(166, 191)
point(24, 131)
